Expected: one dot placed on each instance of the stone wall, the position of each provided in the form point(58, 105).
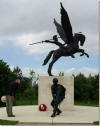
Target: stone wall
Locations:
point(45, 96)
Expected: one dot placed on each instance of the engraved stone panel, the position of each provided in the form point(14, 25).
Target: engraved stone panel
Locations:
point(45, 96)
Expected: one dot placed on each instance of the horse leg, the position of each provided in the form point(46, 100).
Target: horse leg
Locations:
point(86, 54)
point(48, 57)
point(83, 52)
point(50, 66)
point(72, 56)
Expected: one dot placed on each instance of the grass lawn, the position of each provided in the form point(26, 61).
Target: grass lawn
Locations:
point(83, 103)
point(27, 101)
point(7, 122)
point(96, 123)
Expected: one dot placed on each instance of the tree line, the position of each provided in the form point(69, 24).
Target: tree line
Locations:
point(85, 88)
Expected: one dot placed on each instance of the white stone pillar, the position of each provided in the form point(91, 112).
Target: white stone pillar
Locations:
point(45, 96)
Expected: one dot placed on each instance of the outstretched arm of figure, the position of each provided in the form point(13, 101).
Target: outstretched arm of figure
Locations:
point(54, 42)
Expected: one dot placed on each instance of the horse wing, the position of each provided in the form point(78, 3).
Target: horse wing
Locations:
point(60, 31)
point(66, 25)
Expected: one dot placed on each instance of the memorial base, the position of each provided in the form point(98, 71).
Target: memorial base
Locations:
point(45, 96)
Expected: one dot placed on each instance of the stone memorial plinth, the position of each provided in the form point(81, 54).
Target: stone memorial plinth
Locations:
point(45, 96)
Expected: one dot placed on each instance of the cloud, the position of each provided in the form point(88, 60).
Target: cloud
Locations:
point(90, 46)
point(25, 16)
point(92, 43)
point(26, 39)
point(84, 70)
point(67, 72)
point(25, 21)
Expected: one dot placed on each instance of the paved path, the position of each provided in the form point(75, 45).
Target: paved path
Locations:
point(31, 115)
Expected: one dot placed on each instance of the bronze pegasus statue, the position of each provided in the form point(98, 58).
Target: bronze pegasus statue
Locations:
point(71, 42)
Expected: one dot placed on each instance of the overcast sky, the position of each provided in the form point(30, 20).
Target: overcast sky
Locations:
point(26, 21)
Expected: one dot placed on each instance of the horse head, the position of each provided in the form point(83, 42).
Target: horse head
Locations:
point(80, 37)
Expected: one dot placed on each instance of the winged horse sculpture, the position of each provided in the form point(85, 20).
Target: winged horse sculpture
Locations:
point(71, 42)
